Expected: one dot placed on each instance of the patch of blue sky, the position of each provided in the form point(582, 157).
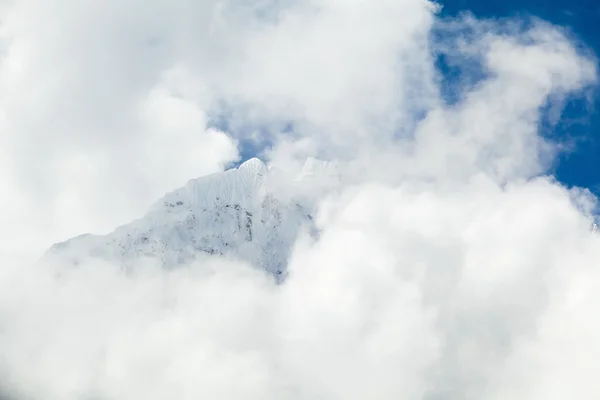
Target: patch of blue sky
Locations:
point(578, 127)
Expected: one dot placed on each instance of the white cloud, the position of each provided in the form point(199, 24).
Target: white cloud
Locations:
point(453, 292)
point(81, 84)
point(448, 267)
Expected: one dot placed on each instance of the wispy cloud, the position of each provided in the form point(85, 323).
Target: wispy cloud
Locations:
point(449, 265)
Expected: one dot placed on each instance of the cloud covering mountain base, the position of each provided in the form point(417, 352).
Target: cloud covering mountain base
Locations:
point(449, 265)
point(471, 292)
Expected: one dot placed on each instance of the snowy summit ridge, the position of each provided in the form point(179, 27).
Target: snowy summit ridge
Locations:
point(243, 212)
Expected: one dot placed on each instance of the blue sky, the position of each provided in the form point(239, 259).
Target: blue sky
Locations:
point(581, 121)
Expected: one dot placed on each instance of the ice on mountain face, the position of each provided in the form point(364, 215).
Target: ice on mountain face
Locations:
point(243, 212)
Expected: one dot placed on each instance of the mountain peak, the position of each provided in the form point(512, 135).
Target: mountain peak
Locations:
point(241, 212)
point(253, 164)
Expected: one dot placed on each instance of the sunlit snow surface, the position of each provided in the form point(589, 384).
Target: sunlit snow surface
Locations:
point(253, 213)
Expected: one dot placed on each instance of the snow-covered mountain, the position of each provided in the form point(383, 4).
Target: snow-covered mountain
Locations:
point(253, 212)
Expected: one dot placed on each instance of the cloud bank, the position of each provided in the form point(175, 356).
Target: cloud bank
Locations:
point(449, 266)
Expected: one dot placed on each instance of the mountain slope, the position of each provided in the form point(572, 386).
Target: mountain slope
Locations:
point(253, 212)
